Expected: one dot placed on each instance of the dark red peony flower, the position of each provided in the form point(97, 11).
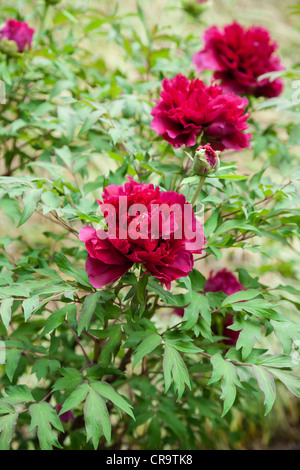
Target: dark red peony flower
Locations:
point(238, 56)
point(145, 226)
point(223, 281)
point(19, 32)
point(188, 108)
point(226, 282)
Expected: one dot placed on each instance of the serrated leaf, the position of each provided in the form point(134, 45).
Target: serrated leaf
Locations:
point(145, 347)
point(225, 371)
point(90, 121)
point(96, 418)
point(7, 428)
point(287, 332)
point(174, 367)
point(29, 306)
point(89, 305)
point(70, 380)
point(291, 381)
point(107, 391)
point(57, 318)
point(198, 306)
point(66, 267)
point(211, 222)
point(5, 311)
point(12, 361)
point(42, 366)
point(42, 417)
point(259, 307)
point(31, 198)
point(250, 332)
point(240, 296)
point(6, 408)
point(111, 345)
point(76, 397)
point(266, 383)
point(229, 225)
point(18, 394)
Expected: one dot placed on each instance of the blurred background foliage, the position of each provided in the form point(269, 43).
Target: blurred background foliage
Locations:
point(80, 101)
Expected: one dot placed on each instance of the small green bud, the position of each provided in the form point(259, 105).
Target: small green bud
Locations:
point(8, 47)
point(206, 160)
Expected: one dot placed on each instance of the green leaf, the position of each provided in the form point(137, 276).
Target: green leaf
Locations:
point(107, 391)
point(65, 154)
point(198, 306)
point(226, 372)
point(90, 121)
point(18, 394)
point(166, 296)
point(12, 360)
point(111, 345)
point(250, 332)
point(266, 383)
point(30, 199)
point(42, 417)
point(229, 225)
point(66, 267)
point(57, 318)
point(211, 223)
point(291, 381)
point(29, 306)
point(287, 332)
point(174, 366)
point(7, 429)
point(89, 305)
point(259, 308)
point(51, 200)
point(6, 408)
point(146, 347)
point(241, 295)
point(70, 380)
point(154, 431)
point(5, 311)
point(168, 417)
point(76, 397)
point(42, 366)
point(96, 418)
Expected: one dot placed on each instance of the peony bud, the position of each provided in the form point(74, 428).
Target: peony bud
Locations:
point(18, 32)
point(206, 160)
point(8, 47)
point(195, 8)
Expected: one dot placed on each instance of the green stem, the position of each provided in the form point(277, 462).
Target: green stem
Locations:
point(199, 187)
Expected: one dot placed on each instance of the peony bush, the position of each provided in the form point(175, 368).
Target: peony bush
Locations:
point(149, 229)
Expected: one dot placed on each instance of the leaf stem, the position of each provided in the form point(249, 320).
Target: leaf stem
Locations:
point(198, 189)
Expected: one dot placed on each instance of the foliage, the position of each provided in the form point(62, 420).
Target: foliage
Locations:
point(77, 119)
